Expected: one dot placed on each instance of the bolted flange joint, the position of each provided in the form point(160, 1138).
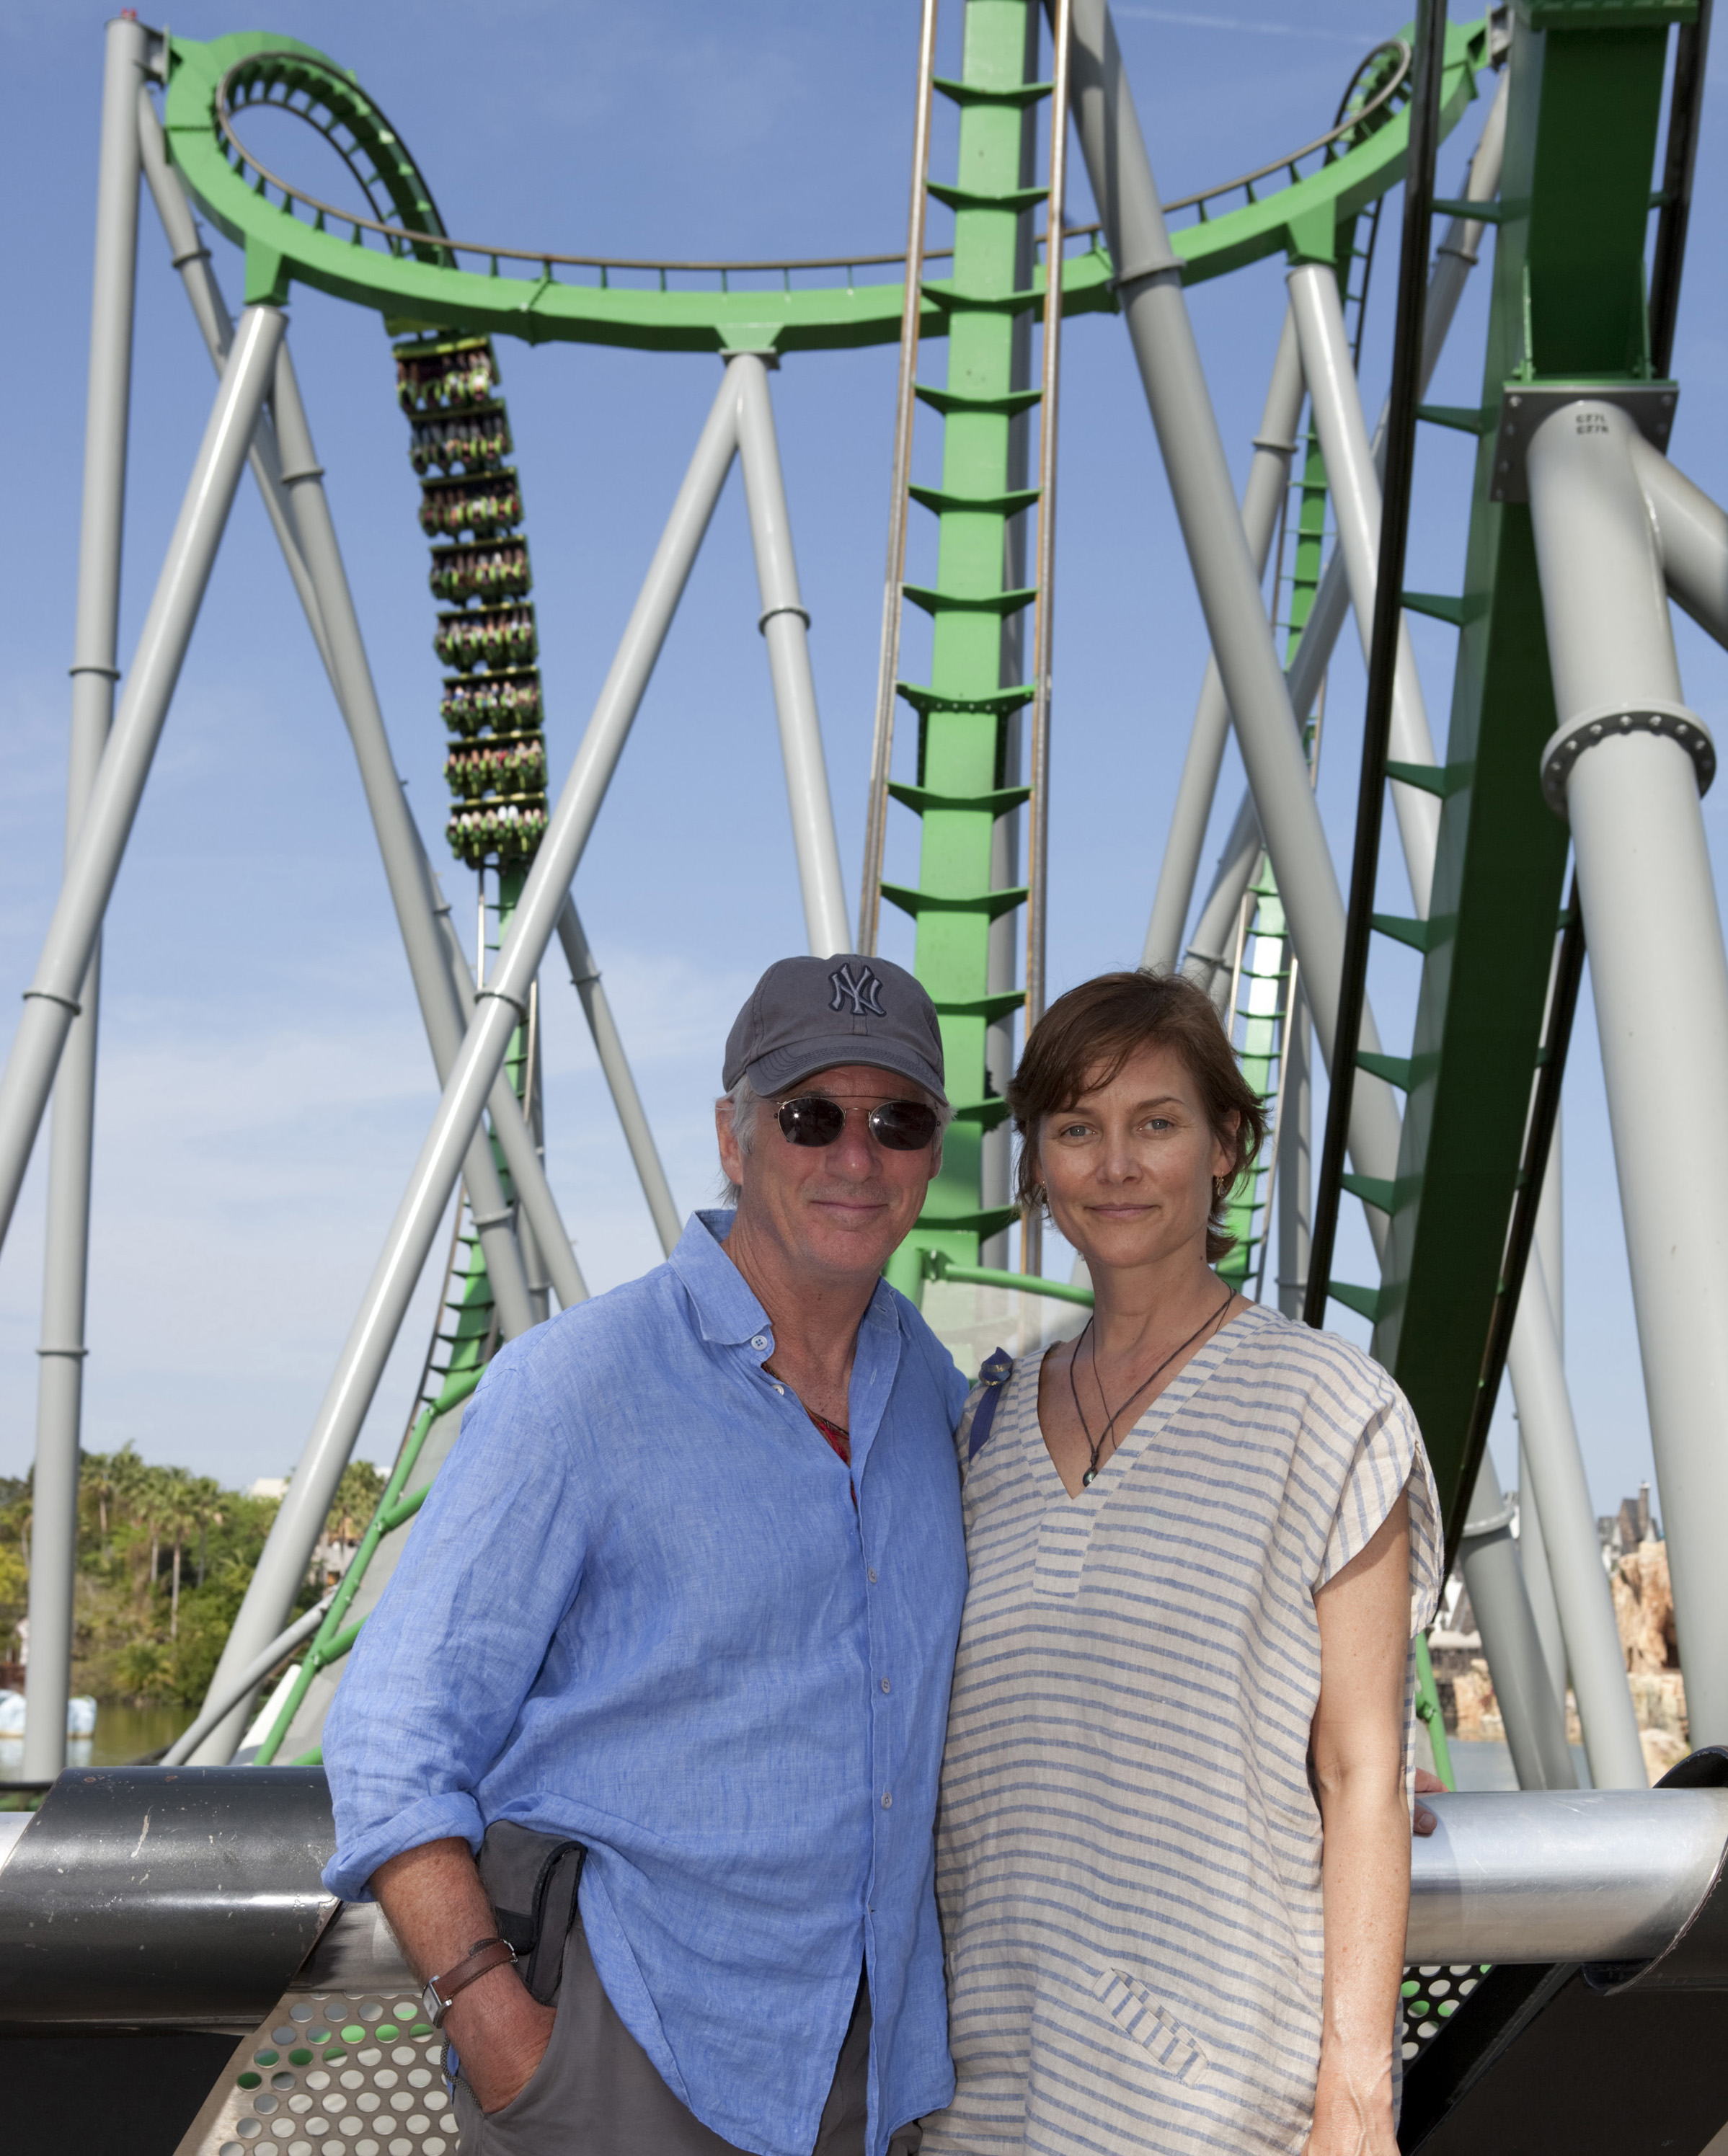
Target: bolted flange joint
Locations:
point(1613, 721)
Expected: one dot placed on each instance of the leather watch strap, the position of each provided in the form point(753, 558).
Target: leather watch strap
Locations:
point(484, 1956)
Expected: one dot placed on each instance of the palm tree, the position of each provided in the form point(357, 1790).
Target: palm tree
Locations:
point(178, 1514)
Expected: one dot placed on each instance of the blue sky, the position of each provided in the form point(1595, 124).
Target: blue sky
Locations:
point(266, 1083)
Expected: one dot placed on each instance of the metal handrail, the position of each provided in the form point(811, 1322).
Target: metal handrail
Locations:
point(400, 236)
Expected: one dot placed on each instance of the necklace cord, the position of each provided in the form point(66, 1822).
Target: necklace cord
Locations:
point(1096, 1449)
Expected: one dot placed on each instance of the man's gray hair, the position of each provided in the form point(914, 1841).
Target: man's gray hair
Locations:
point(747, 1104)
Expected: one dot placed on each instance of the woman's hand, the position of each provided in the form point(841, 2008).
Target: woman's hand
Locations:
point(1352, 2122)
point(1422, 1821)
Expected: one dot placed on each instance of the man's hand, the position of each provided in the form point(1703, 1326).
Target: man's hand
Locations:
point(438, 1908)
point(500, 2035)
point(1422, 1820)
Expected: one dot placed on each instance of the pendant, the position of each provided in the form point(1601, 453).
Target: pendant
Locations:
point(1088, 1478)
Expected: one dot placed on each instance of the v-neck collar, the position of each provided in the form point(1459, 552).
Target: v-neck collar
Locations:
point(1182, 1389)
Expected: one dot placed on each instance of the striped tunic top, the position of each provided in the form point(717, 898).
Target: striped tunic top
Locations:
point(1128, 1846)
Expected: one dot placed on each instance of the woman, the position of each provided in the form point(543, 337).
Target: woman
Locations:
point(1173, 1843)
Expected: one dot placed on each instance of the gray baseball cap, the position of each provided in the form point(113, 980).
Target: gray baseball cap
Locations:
point(810, 1015)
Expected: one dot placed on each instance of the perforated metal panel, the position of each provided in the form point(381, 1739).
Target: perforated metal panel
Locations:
point(1431, 1995)
point(335, 2074)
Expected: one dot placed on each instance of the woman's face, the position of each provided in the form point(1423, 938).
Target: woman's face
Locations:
point(1129, 1166)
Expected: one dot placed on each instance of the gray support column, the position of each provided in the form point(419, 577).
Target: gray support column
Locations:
point(1295, 1166)
point(1149, 281)
point(585, 979)
point(1626, 761)
point(60, 1396)
point(356, 696)
point(1268, 477)
point(785, 626)
point(1581, 1586)
point(1206, 960)
point(191, 258)
point(1354, 489)
point(501, 1004)
point(522, 1153)
point(51, 1000)
point(1695, 538)
point(1532, 1543)
point(1454, 258)
point(1488, 1557)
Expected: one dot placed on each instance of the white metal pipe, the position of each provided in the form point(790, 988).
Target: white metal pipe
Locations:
point(1149, 282)
point(237, 1695)
point(398, 843)
point(522, 1155)
point(585, 979)
point(51, 1000)
point(1532, 1543)
point(1625, 753)
point(785, 626)
point(1454, 258)
point(1268, 478)
point(1206, 960)
point(1488, 1557)
point(1545, 1875)
point(191, 258)
point(1353, 487)
point(1295, 1161)
point(59, 1394)
point(1581, 1586)
point(1694, 532)
point(501, 1003)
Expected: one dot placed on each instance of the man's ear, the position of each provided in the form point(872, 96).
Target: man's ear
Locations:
point(732, 1154)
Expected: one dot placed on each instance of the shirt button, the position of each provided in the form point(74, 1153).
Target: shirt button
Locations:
point(760, 1340)
point(888, 1799)
point(872, 1575)
point(886, 1685)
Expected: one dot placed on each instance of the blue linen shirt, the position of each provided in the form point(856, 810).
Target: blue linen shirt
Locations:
point(639, 1609)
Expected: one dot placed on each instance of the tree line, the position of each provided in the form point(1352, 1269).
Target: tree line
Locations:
point(164, 1557)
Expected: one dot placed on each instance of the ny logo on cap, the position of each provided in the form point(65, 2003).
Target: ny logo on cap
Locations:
point(860, 995)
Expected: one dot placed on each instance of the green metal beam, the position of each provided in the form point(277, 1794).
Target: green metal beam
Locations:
point(422, 286)
point(1567, 299)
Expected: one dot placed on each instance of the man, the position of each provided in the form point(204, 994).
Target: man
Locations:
point(678, 1619)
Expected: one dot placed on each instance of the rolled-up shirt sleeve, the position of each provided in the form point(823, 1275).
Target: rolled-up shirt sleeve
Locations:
point(437, 1679)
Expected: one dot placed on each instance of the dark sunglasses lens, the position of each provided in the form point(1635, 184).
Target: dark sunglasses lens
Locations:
point(903, 1126)
point(812, 1121)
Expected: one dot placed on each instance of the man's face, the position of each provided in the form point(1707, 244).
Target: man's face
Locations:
point(842, 1208)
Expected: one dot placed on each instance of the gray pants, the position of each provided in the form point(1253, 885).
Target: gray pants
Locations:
point(596, 2093)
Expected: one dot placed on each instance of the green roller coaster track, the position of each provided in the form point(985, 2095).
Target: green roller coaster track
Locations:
point(1567, 305)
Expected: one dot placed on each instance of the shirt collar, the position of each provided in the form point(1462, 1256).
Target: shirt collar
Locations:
point(726, 1309)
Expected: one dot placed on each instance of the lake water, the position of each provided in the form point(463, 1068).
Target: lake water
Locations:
point(123, 1734)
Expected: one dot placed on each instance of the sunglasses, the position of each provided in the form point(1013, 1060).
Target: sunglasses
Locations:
point(900, 1126)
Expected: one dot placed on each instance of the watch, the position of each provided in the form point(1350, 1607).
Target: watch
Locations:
point(483, 1956)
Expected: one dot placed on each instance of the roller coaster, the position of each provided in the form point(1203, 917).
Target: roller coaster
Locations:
point(1563, 811)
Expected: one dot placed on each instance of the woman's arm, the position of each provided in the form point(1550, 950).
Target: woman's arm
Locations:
point(1358, 1752)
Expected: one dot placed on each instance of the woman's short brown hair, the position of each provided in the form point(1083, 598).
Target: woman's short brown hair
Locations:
point(1086, 1036)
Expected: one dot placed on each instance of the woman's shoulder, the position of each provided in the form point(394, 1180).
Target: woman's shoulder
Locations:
point(1269, 1334)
